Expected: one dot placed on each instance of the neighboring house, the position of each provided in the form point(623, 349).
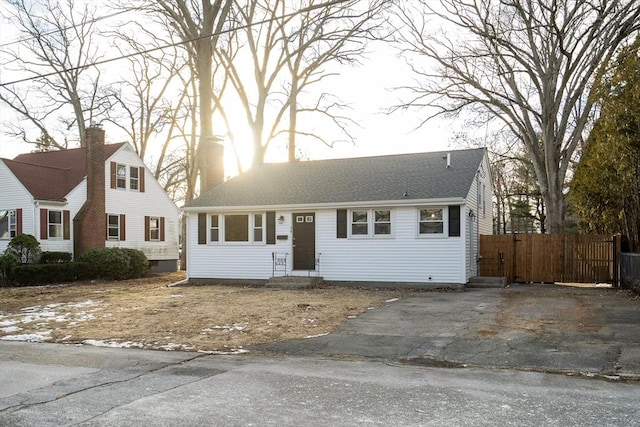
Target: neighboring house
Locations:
point(410, 218)
point(96, 196)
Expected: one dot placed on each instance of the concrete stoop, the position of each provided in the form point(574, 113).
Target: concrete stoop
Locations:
point(293, 282)
point(487, 282)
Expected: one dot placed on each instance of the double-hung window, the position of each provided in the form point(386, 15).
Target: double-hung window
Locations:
point(214, 229)
point(257, 228)
point(370, 222)
point(382, 222)
point(359, 223)
point(113, 227)
point(154, 229)
point(8, 224)
point(431, 221)
point(55, 224)
point(134, 178)
point(121, 176)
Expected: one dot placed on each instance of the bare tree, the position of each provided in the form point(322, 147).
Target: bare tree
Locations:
point(56, 47)
point(529, 64)
point(290, 50)
point(198, 24)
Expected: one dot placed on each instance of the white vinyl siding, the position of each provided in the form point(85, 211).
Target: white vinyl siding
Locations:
point(136, 205)
point(403, 258)
point(13, 196)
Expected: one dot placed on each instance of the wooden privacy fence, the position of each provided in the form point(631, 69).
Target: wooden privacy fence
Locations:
point(548, 258)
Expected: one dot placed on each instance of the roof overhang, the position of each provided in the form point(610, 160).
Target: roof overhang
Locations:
point(358, 204)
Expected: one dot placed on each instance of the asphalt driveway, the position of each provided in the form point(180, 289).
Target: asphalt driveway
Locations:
point(547, 328)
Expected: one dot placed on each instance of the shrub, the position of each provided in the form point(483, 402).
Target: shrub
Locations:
point(8, 263)
point(55, 257)
point(25, 247)
point(139, 264)
point(115, 263)
point(37, 274)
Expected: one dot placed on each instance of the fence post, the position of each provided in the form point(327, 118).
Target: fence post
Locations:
point(617, 243)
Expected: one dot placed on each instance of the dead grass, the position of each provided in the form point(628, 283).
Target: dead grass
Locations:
point(148, 313)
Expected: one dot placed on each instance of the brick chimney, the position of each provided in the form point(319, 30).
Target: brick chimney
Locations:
point(89, 225)
point(212, 164)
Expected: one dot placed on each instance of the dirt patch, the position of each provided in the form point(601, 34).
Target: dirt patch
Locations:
point(147, 313)
point(551, 312)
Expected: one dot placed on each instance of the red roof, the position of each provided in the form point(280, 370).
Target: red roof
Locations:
point(52, 175)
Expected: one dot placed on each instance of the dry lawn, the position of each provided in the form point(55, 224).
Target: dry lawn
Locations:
point(148, 313)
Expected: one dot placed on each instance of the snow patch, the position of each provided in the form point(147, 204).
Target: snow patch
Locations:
point(316, 336)
point(113, 344)
point(393, 300)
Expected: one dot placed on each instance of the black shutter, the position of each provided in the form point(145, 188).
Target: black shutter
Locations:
point(202, 228)
point(454, 221)
point(271, 228)
point(341, 223)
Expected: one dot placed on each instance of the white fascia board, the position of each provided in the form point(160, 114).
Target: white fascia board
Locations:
point(368, 204)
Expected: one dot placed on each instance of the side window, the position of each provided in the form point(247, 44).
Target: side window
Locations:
point(359, 223)
point(431, 221)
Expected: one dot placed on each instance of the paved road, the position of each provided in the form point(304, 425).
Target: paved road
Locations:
point(62, 385)
point(583, 331)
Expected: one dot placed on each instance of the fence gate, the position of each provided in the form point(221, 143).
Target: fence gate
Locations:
point(549, 258)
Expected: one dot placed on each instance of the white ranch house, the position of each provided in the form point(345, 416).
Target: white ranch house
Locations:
point(409, 218)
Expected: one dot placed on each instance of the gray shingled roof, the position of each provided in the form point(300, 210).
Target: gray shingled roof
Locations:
point(384, 178)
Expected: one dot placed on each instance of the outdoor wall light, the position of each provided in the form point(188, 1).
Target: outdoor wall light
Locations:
point(281, 219)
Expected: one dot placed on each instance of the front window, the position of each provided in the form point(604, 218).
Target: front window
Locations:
point(55, 224)
point(214, 230)
point(8, 227)
point(113, 227)
point(382, 224)
point(257, 228)
point(236, 228)
point(359, 223)
point(134, 178)
point(154, 229)
point(431, 221)
point(121, 176)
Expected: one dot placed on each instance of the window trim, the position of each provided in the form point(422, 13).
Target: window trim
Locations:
point(265, 228)
point(371, 224)
point(444, 221)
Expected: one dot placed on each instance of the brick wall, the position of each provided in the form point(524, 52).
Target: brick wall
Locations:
point(90, 227)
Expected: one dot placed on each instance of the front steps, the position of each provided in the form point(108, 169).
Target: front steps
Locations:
point(294, 282)
point(487, 282)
